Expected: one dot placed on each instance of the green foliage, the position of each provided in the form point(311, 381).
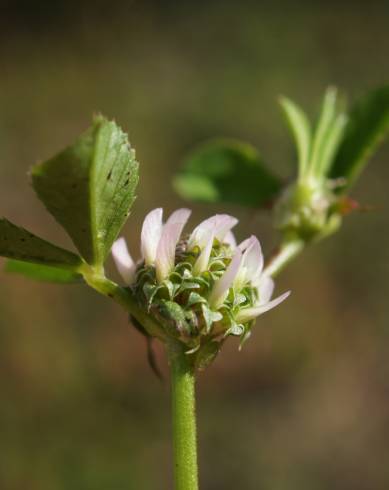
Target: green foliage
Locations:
point(368, 125)
point(89, 188)
point(20, 244)
point(301, 131)
point(226, 171)
point(316, 151)
point(324, 125)
point(41, 272)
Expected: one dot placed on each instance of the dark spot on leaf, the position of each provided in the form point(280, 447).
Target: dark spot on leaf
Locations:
point(109, 175)
point(110, 295)
point(126, 182)
point(22, 239)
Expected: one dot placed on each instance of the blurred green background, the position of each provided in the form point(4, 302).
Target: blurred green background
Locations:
point(305, 405)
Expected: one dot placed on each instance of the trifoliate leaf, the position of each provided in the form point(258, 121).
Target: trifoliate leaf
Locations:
point(89, 188)
point(20, 244)
point(367, 127)
point(226, 171)
point(41, 272)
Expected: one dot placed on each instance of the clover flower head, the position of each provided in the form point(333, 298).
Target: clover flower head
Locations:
point(200, 287)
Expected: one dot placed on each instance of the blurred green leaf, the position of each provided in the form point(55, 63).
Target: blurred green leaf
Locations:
point(226, 171)
point(301, 131)
point(325, 126)
point(20, 244)
point(42, 272)
point(89, 188)
point(368, 125)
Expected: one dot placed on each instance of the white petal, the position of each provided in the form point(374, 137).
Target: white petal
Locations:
point(220, 224)
point(201, 263)
point(230, 240)
point(253, 259)
point(179, 216)
point(243, 245)
point(265, 289)
point(197, 234)
point(223, 224)
point(166, 251)
point(248, 314)
point(123, 260)
point(222, 285)
point(151, 234)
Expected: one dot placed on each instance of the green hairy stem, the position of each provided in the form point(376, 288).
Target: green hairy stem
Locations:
point(182, 386)
point(184, 419)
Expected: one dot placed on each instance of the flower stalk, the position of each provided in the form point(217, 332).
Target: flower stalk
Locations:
point(183, 418)
point(286, 253)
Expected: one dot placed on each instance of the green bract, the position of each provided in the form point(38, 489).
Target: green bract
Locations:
point(307, 211)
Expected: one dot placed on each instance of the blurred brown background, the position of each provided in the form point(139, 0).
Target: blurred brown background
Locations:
point(306, 404)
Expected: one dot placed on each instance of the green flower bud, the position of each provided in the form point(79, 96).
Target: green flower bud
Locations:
point(307, 210)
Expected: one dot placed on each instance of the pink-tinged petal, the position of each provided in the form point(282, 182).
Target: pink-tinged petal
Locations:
point(123, 261)
point(166, 251)
point(205, 225)
point(151, 234)
point(200, 234)
point(179, 216)
point(220, 224)
point(201, 263)
point(223, 224)
point(222, 285)
point(253, 259)
point(248, 314)
point(230, 240)
point(245, 244)
point(265, 289)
